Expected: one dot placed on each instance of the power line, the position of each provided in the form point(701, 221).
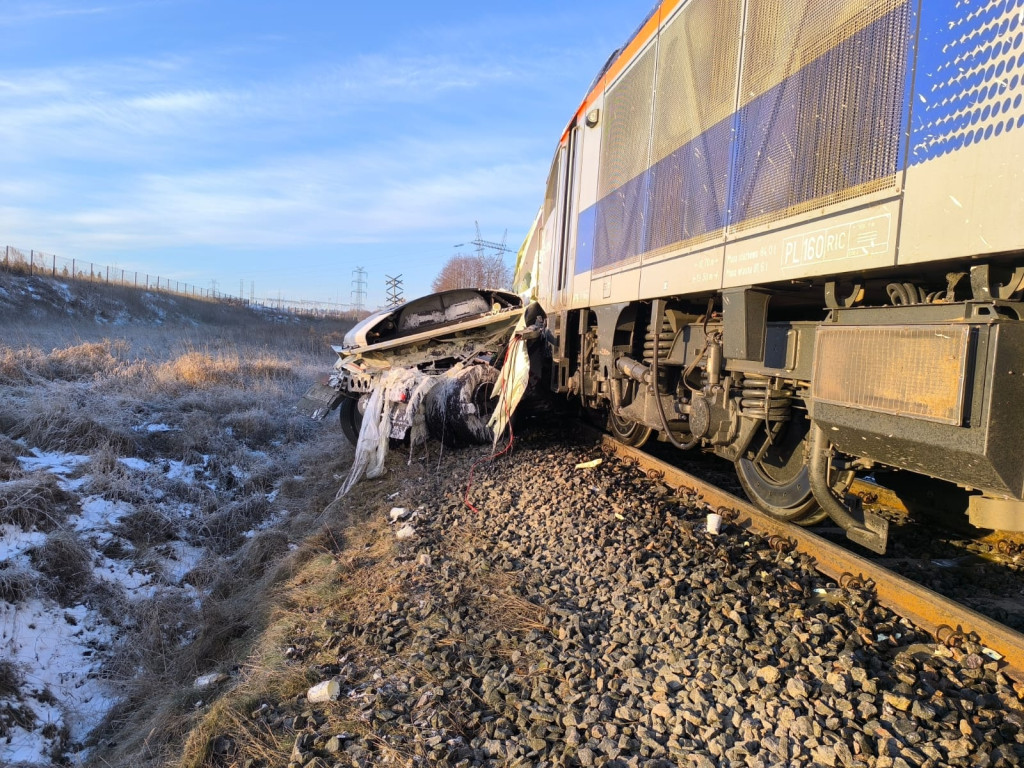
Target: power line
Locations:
point(499, 248)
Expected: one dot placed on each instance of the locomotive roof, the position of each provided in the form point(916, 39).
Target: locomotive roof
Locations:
point(621, 56)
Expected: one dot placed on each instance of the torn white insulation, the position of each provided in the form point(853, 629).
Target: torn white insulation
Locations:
point(390, 396)
point(418, 432)
point(512, 381)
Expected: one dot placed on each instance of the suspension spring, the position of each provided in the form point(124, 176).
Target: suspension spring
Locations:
point(665, 338)
point(759, 401)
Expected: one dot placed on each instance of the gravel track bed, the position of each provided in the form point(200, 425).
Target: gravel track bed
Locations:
point(586, 617)
point(934, 545)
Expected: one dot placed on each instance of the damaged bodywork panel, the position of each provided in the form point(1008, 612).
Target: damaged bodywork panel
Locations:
point(450, 339)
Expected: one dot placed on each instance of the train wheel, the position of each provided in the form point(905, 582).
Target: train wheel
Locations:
point(351, 419)
point(777, 480)
point(628, 432)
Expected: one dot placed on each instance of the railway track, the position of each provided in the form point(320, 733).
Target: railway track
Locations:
point(947, 621)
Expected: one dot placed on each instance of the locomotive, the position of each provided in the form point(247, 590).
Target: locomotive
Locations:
point(791, 234)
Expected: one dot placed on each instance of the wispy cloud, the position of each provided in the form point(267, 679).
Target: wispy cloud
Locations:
point(23, 13)
point(230, 145)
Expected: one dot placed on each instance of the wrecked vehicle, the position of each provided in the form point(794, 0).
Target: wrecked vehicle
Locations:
point(427, 367)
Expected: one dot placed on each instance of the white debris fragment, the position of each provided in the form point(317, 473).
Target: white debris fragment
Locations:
point(589, 464)
point(992, 654)
point(398, 513)
point(405, 532)
point(213, 678)
point(714, 523)
point(328, 690)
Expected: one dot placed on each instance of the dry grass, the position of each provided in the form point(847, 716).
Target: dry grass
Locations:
point(222, 528)
point(11, 678)
point(502, 608)
point(49, 423)
point(16, 584)
point(35, 502)
point(66, 565)
point(227, 390)
point(202, 370)
point(148, 525)
point(75, 363)
point(342, 572)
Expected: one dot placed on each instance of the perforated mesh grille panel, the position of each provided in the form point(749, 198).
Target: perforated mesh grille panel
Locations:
point(625, 156)
point(697, 61)
point(855, 367)
point(696, 96)
point(821, 106)
point(822, 103)
point(627, 125)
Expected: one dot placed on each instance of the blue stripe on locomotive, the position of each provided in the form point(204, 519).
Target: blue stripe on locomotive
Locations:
point(657, 208)
point(954, 105)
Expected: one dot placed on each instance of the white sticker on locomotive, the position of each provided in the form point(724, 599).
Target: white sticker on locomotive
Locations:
point(867, 237)
point(749, 264)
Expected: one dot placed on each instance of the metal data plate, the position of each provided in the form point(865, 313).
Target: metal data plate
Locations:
point(918, 371)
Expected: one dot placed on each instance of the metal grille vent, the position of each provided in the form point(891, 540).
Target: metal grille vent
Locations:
point(822, 93)
point(627, 125)
point(918, 372)
point(698, 53)
point(625, 155)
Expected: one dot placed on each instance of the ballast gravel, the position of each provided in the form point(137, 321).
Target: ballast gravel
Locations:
point(586, 617)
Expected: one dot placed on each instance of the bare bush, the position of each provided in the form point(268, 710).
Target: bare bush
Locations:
point(10, 468)
point(254, 425)
point(66, 565)
point(148, 525)
point(16, 584)
point(462, 271)
point(35, 502)
point(221, 528)
point(11, 678)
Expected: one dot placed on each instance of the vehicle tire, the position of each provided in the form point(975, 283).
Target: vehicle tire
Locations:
point(459, 406)
point(350, 418)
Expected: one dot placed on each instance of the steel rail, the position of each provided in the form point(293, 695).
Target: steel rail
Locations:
point(930, 611)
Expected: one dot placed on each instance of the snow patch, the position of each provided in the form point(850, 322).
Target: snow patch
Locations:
point(56, 463)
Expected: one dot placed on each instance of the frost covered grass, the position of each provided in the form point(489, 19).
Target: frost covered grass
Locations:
point(144, 448)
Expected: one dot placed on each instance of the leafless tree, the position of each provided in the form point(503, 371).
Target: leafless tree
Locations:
point(462, 271)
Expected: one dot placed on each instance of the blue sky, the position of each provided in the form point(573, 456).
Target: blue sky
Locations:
point(286, 143)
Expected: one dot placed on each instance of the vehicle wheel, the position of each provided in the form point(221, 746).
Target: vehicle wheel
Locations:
point(351, 419)
point(459, 406)
point(777, 481)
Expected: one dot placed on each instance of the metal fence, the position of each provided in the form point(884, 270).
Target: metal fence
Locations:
point(39, 263)
point(20, 261)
